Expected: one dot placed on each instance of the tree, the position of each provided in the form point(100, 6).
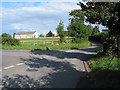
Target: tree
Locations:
point(60, 31)
point(77, 28)
point(5, 35)
point(8, 40)
point(105, 13)
point(41, 35)
point(95, 30)
point(50, 34)
point(14, 35)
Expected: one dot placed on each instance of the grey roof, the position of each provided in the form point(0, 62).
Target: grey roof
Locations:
point(25, 32)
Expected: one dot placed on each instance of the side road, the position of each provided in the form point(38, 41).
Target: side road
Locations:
point(45, 69)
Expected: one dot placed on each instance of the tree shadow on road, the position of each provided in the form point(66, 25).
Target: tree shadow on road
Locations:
point(63, 74)
point(63, 54)
point(20, 81)
point(61, 77)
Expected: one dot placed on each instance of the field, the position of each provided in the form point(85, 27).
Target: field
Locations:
point(46, 44)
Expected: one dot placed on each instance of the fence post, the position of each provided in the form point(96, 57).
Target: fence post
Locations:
point(34, 43)
point(23, 42)
point(52, 42)
point(118, 44)
point(43, 42)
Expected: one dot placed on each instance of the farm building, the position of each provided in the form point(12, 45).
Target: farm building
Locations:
point(26, 34)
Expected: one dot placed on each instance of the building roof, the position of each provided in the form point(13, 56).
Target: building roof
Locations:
point(25, 32)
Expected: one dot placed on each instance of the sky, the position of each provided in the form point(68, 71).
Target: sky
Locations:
point(35, 16)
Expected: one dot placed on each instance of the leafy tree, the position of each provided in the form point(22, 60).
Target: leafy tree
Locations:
point(60, 31)
point(77, 28)
point(95, 30)
point(105, 13)
point(50, 34)
point(8, 40)
point(5, 35)
point(41, 35)
point(14, 35)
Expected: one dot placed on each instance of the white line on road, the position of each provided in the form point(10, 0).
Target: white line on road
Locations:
point(0, 70)
point(9, 67)
point(20, 64)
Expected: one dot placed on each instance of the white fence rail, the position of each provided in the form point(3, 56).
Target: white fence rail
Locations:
point(36, 42)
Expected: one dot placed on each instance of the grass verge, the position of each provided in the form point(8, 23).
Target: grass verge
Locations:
point(104, 71)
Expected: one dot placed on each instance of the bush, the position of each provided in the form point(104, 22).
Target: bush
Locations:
point(41, 35)
point(10, 41)
point(99, 37)
point(5, 35)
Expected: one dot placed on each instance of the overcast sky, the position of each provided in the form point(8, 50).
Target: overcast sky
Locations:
point(35, 16)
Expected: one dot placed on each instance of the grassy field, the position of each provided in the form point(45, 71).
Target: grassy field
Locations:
point(46, 44)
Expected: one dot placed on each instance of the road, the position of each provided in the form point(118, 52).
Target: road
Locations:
point(44, 69)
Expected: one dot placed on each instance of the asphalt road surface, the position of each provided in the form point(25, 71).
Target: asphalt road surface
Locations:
point(44, 69)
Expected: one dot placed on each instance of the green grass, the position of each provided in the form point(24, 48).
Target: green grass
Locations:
point(104, 71)
point(30, 46)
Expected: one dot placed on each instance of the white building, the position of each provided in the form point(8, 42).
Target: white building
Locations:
point(26, 34)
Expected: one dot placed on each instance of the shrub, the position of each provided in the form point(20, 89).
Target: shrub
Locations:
point(5, 35)
point(10, 41)
point(41, 35)
point(99, 37)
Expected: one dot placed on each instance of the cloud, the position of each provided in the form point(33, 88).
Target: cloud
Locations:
point(42, 18)
point(39, 0)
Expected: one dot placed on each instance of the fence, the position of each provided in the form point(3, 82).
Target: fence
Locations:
point(38, 42)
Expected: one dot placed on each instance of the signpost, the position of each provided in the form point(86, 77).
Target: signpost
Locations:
point(118, 44)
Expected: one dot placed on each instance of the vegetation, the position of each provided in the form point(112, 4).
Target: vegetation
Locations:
point(106, 14)
point(8, 40)
point(50, 34)
point(95, 30)
point(104, 71)
point(77, 28)
point(5, 35)
point(60, 31)
point(100, 37)
point(41, 35)
point(47, 46)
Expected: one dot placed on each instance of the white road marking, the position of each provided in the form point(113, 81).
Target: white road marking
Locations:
point(9, 67)
point(0, 70)
point(20, 64)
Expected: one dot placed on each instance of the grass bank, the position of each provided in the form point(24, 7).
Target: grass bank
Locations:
point(48, 46)
point(104, 71)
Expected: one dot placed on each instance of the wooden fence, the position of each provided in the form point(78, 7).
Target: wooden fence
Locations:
point(36, 42)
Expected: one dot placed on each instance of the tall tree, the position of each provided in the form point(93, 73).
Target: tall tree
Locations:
point(77, 28)
point(105, 13)
point(95, 30)
point(60, 31)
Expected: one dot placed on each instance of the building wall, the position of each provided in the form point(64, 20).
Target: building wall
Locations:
point(23, 36)
point(35, 35)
